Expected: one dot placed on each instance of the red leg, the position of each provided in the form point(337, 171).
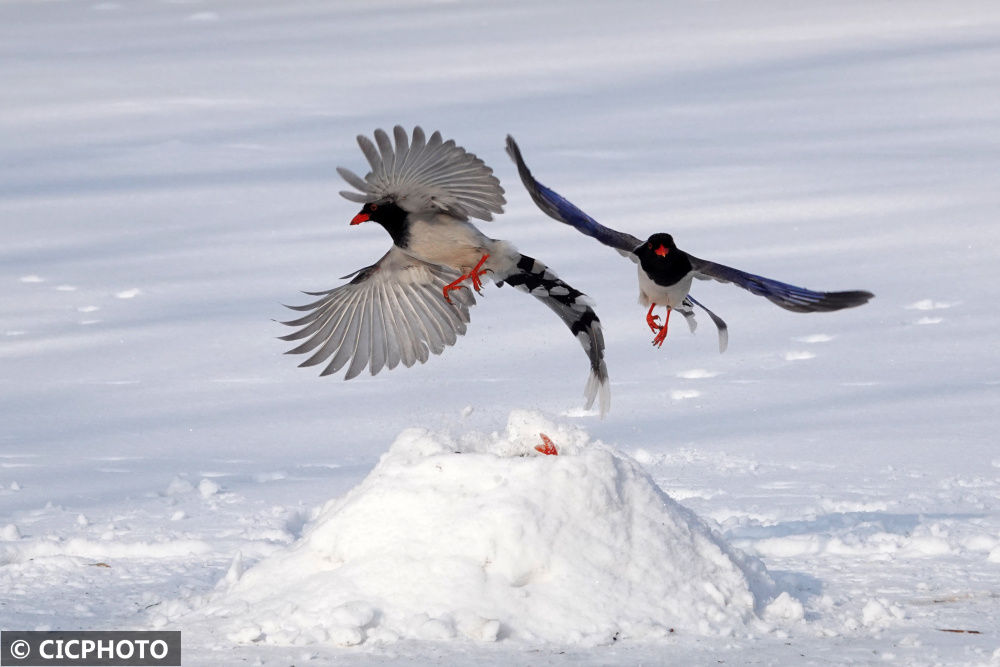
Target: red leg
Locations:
point(651, 319)
point(662, 336)
point(475, 273)
point(472, 275)
point(547, 447)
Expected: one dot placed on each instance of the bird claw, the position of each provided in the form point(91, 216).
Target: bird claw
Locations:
point(651, 319)
point(660, 337)
point(472, 276)
point(477, 284)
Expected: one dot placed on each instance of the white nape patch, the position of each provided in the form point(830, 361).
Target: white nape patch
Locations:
point(798, 355)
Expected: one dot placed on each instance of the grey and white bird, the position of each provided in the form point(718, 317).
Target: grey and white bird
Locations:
point(415, 300)
point(666, 272)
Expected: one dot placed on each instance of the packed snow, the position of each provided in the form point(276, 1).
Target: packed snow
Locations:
point(485, 538)
point(827, 491)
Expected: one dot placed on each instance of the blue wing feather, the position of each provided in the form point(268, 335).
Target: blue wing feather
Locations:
point(556, 206)
point(789, 297)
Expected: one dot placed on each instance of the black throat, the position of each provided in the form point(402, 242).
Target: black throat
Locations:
point(395, 221)
point(667, 270)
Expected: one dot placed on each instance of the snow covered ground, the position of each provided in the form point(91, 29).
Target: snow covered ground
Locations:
point(167, 181)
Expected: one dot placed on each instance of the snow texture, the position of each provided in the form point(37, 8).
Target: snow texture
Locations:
point(168, 180)
point(486, 539)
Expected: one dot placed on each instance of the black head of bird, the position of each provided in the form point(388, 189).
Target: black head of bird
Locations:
point(662, 260)
point(388, 214)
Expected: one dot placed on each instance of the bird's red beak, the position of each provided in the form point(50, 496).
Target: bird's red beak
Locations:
point(359, 218)
point(661, 251)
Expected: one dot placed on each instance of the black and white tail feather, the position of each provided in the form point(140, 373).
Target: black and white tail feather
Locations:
point(406, 306)
point(575, 309)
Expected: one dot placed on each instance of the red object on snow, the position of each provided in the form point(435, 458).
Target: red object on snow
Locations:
point(547, 447)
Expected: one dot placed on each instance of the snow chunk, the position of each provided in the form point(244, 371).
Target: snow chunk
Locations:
point(207, 488)
point(179, 486)
point(484, 538)
point(785, 608)
point(878, 613)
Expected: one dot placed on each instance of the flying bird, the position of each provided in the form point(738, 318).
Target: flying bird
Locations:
point(666, 272)
point(415, 300)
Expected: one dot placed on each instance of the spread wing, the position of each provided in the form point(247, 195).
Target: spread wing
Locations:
point(556, 206)
point(425, 175)
point(789, 297)
point(391, 312)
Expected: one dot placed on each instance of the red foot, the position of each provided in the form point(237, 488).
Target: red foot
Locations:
point(547, 447)
point(472, 275)
point(651, 319)
point(662, 336)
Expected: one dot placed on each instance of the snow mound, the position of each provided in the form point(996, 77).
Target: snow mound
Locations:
point(485, 538)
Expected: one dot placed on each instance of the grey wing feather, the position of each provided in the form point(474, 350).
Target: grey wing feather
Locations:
point(556, 206)
point(425, 175)
point(391, 312)
point(789, 297)
point(720, 324)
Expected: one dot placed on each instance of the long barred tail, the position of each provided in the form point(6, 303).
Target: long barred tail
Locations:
point(574, 308)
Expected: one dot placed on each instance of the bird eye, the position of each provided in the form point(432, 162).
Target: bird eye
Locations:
point(649, 245)
point(372, 207)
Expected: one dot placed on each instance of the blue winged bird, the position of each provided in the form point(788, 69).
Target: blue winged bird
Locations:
point(666, 272)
